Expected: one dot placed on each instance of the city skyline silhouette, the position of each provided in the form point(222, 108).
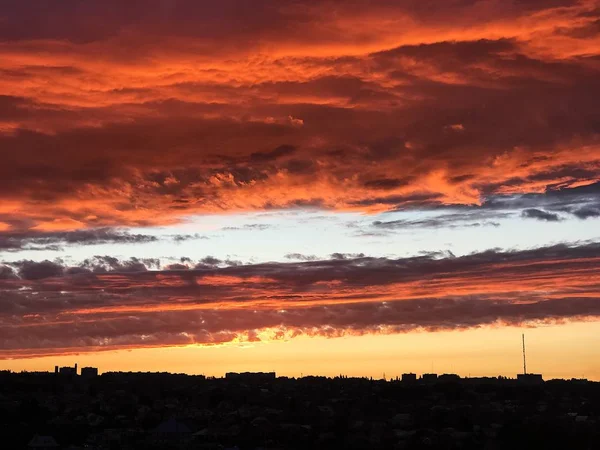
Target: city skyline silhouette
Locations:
point(358, 187)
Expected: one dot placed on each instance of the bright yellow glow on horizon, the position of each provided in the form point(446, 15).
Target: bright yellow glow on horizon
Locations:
point(557, 351)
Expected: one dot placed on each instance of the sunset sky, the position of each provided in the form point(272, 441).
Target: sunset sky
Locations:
point(312, 187)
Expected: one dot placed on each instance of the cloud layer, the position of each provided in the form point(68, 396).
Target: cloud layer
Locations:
point(143, 113)
point(115, 115)
point(105, 304)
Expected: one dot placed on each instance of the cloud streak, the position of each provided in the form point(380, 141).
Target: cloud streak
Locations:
point(55, 240)
point(107, 304)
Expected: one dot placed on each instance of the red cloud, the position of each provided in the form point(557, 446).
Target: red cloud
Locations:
point(131, 118)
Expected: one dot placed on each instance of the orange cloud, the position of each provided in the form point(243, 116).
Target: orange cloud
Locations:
point(118, 121)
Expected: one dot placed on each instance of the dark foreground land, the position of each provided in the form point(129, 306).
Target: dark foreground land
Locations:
point(163, 411)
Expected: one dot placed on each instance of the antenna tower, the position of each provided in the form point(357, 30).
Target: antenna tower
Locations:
point(524, 360)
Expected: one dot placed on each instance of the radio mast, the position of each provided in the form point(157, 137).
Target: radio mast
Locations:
point(524, 360)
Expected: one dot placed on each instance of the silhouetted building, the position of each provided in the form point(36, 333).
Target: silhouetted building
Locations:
point(155, 411)
point(429, 377)
point(409, 377)
point(55, 369)
point(530, 378)
point(483, 380)
point(89, 372)
point(67, 370)
point(251, 376)
point(448, 377)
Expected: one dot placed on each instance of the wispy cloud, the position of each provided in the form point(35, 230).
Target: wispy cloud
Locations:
point(539, 214)
point(56, 240)
point(300, 257)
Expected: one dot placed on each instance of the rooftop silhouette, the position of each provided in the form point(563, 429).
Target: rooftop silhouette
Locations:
point(147, 410)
